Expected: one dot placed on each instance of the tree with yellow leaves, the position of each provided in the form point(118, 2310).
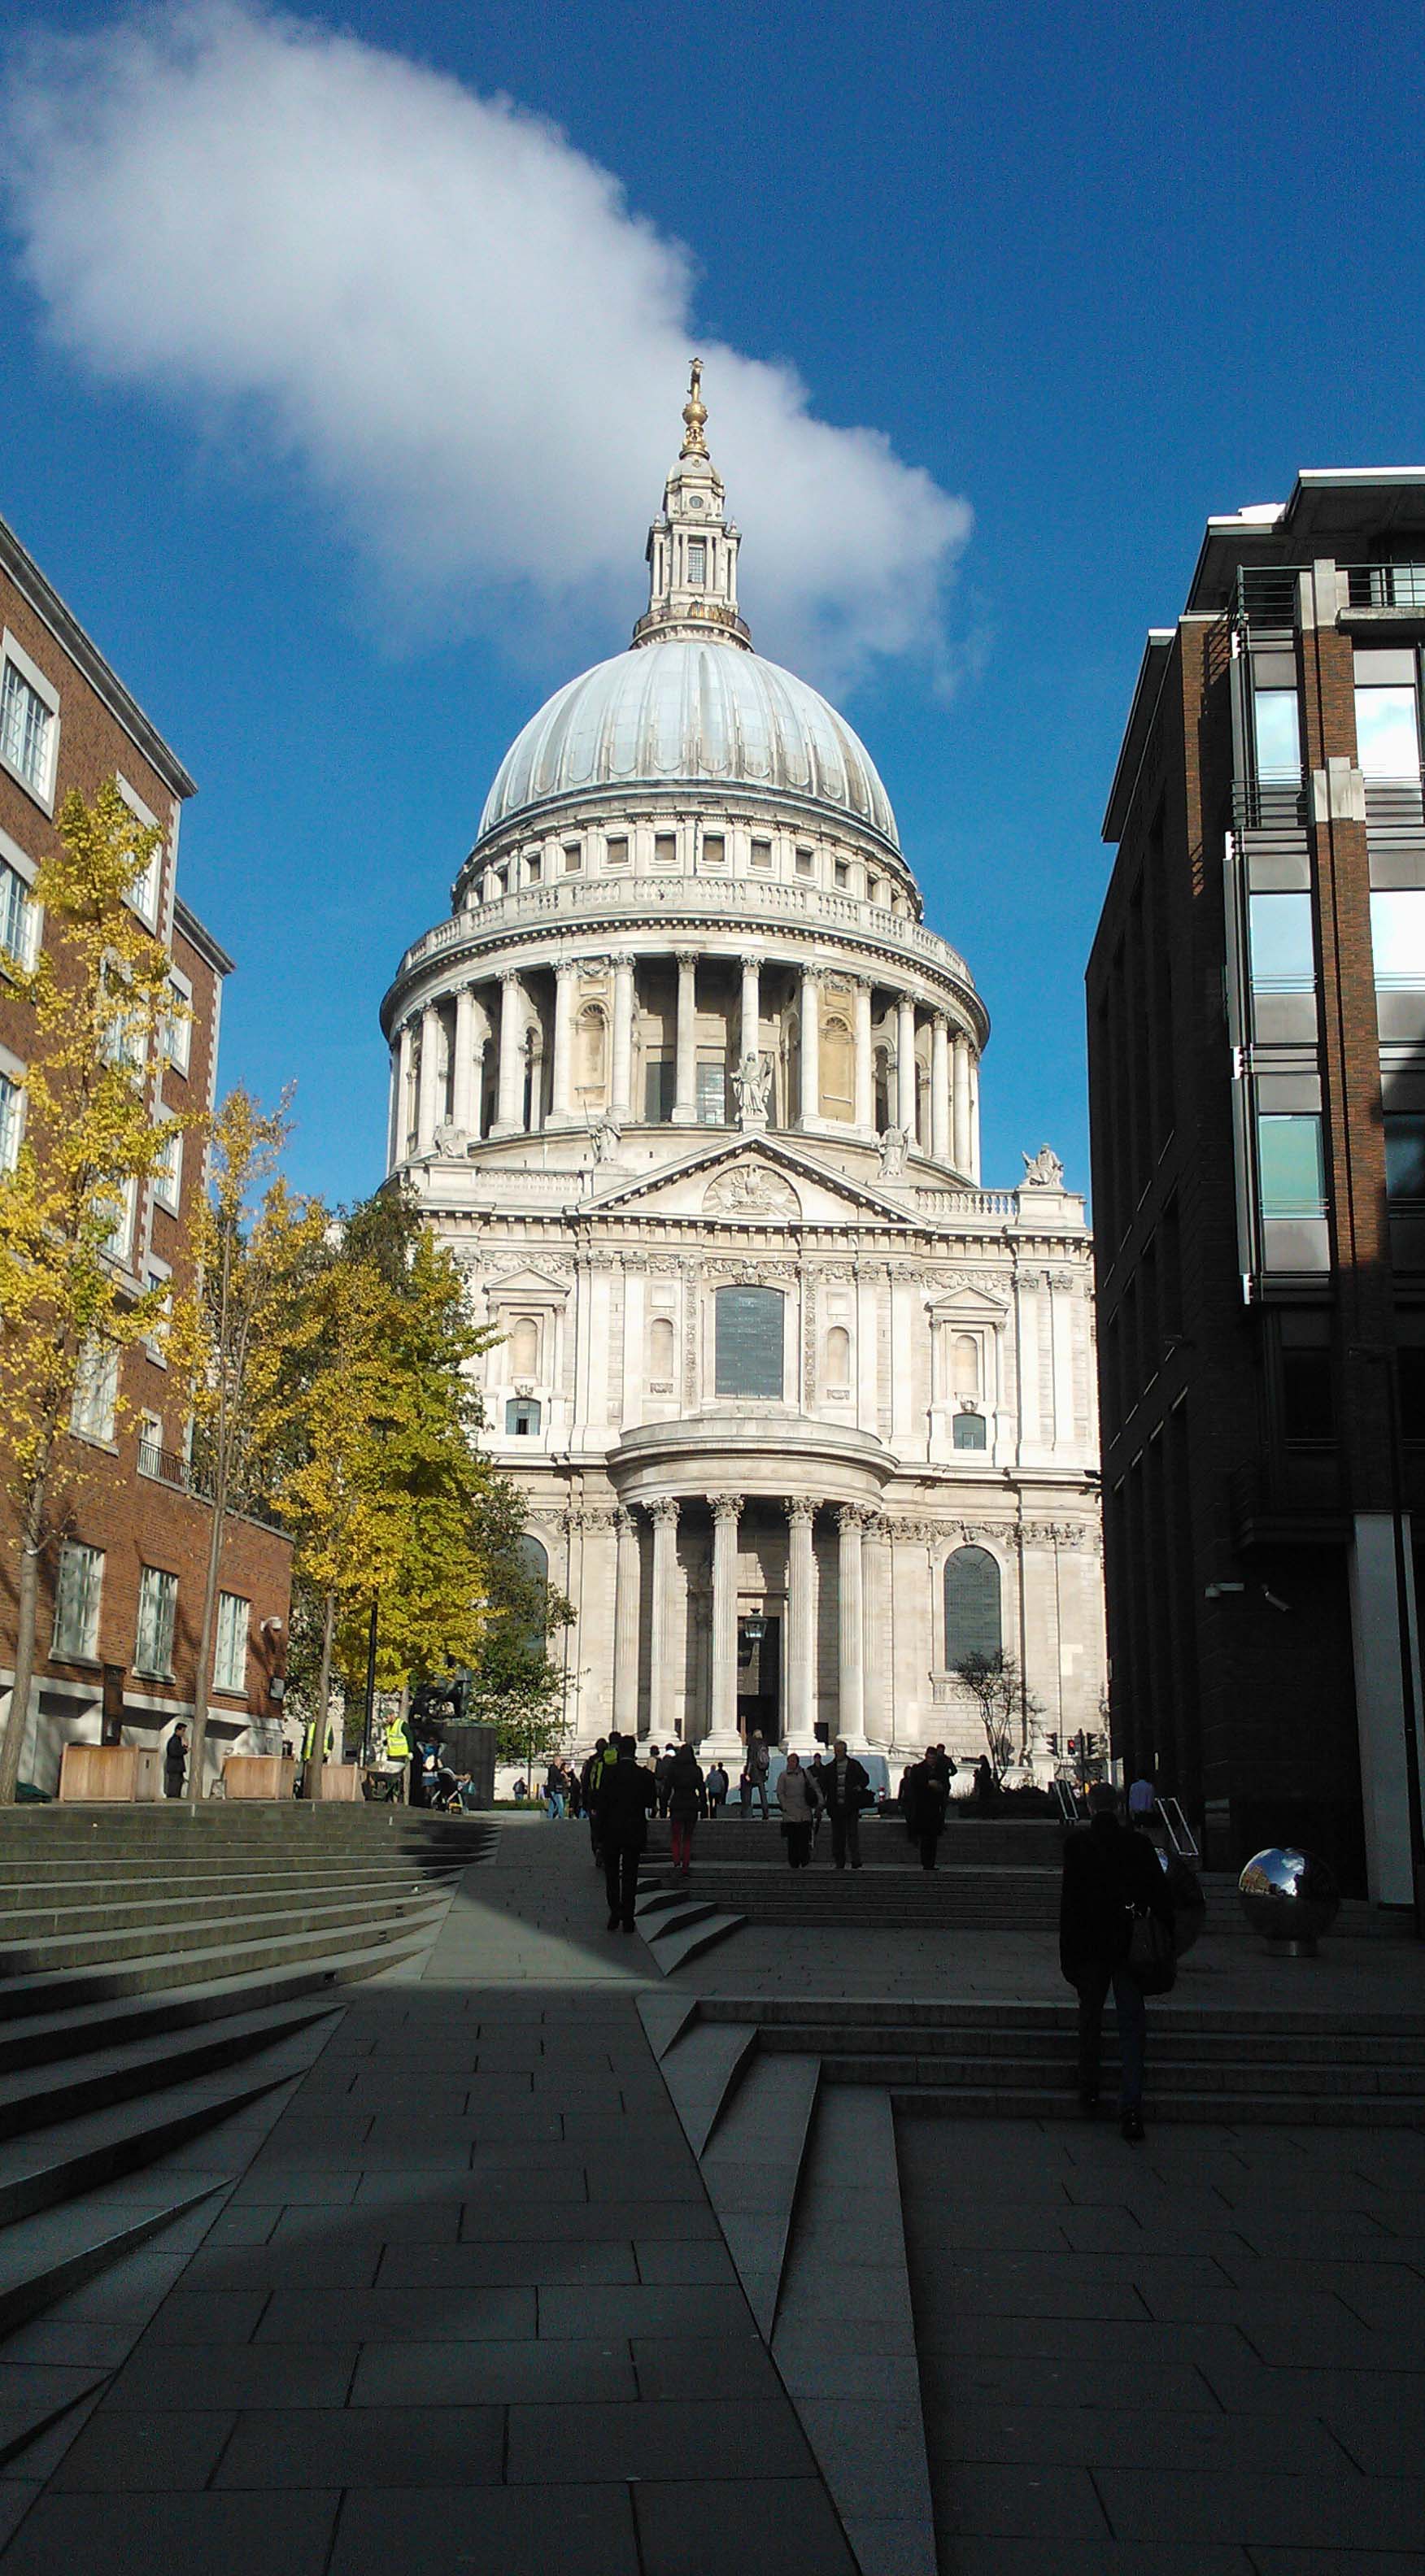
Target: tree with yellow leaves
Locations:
point(97, 1000)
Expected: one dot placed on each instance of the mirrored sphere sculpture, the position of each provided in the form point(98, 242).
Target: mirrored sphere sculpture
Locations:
point(1291, 1898)
point(1189, 1902)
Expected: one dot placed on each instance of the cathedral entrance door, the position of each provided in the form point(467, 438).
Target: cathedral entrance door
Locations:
point(759, 1667)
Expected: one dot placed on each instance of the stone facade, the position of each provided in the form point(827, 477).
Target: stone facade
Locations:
point(685, 1036)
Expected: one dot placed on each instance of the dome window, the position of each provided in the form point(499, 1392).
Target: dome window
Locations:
point(616, 852)
point(761, 854)
point(714, 849)
point(697, 562)
point(573, 858)
point(841, 874)
point(806, 862)
point(665, 849)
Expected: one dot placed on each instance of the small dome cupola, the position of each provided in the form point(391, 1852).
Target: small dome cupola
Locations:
point(692, 546)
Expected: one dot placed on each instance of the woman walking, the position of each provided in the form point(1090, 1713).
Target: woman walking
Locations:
point(687, 1800)
point(799, 1801)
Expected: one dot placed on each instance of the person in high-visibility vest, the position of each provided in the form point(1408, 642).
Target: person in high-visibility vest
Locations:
point(398, 1749)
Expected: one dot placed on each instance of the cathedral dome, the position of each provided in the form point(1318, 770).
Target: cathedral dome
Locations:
point(686, 711)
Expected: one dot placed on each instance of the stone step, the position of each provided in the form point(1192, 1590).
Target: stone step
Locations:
point(44, 2257)
point(1169, 2073)
point(49, 1990)
point(201, 1930)
point(127, 2068)
point(1346, 2052)
point(1216, 2110)
point(672, 1944)
point(54, 2164)
point(158, 1906)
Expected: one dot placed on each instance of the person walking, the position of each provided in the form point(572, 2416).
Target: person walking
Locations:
point(1110, 1874)
point(845, 1785)
point(758, 1764)
point(744, 1792)
point(554, 1786)
point(626, 1800)
point(924, 1792)
point(398, 1754)
point(663, 1777)
point(718, 1785)
point(175, 1762)
point(687, 1800)
point(798, 1799)
point(589, 1780)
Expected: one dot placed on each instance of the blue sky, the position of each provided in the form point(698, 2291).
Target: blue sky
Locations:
point(1094, 273)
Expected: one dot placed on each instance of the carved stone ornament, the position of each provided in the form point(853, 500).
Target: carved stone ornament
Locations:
point(1043, 1171)
point(892, 1144)
point(664, 1512)
point(727, 1507)
point(750, 1189)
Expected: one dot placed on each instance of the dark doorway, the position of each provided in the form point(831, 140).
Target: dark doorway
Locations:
point(759, 1668)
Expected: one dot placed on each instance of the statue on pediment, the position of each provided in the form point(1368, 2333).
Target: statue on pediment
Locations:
point(1043, 1171)
point(752, 1088)
point(893, 1142)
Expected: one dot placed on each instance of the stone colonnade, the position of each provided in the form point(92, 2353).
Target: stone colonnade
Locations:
point(863, 1564)
point(438, 1061)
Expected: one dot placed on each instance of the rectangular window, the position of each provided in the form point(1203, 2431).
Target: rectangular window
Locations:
point(1387, 733)
point(125, 1198)
point(168, 1179)
point(1308, 1405)
point(616, 853)
point(697, 562)
point(714, 850)
point(749, 1335)
point(230, 1661)
point(12, 1122)
point(761, 854)
point(153, 1643)
point(1279, 932)
point(1398, 939)
point(177, 1035)
point(665, 849)
point(712, 1095)
point(534, 867)
point(806, 862)
point(840, 873)
point(96, 1392)
point(1404, 1159)
point(658, 1080)
point(1293, 1173)
point(27, 730)
point(155, 1340)
point(1276, 728)
point(79, 1582)
point(19, 918)
point(573, 858)
point(150, 1445)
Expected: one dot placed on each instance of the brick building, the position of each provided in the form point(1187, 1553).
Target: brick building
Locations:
point(122, 1589)
point(1257, 1095)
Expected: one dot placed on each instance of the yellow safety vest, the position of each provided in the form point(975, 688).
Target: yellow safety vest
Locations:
point(398, 1743)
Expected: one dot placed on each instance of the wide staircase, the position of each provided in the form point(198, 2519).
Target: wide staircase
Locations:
point(164, 1969)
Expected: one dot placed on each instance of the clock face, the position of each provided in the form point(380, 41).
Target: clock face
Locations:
point(695, 500)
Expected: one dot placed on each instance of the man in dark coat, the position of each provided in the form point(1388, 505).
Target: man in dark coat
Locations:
point(626, 1798)
point(845, 1785)
point(925, 1790)
point(1109, 1875)
point(175, 1762)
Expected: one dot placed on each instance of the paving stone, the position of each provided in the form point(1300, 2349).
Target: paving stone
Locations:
point(605, 2261)
point(285, 2534)
point(707, 2367)
point(1308, 2511)
point(327, 2261)
point(119, 2450)
point(452, 2313)
point(657, 2439)
point(770, 2527)
point(1102, 2557)
point(370, 2225)
point(669, 2222)
point(81, 2345)
point(1120, 2438)
point(1024, 2503)
point(697, 2262)
point(238, 2374)
point(564, 2531)
point(407, 2446)
point(207, 2316)
point(444, 2374)
point(675, 2311)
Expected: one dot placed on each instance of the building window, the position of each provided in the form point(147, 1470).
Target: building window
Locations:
point(837, 1068)
point(96, 1392)
point(965, 1365)
point(155, 1340)
point(972, 1605)
point(616, 852)
point(665, 849)
point(1293, 1174)
point(806, 862)
point(660, 1355)
point(838, 1364)
point(873, 890)
point(589, 1052)
point(1308, 1401)
point(968, 1431)
point(1410, 1371)
point(150, 1445)
point(840, 873)
point(19, 918)
point(153, 1643)
point(177, 1038)
point(761, 854)
point(168, 1177)
point(749, 1335)
point(714, 849)
point(573, 858)
point(697, 562)
point(230, 1661)
point(12, 1122)
point(27, 730)
point(712, 1095)
point(534, 867)
point(659, 1074)
point(1404, 1159)
point(124, 1195)
point(79, 1581)
point(1398, 940)
point(522, 1417)
point(1280, 943)
point(1388, 733)
point(1276, 728)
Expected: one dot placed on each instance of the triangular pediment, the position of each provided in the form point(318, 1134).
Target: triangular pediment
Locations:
point(754, 1180)
point(527, 1280)
point(967, 1303)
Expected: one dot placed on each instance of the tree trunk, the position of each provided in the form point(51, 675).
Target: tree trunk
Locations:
point(324, 1687)
point(202, 1674)
point(13, 1742)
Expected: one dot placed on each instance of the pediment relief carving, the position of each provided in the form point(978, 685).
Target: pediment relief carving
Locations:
point(753, 1189)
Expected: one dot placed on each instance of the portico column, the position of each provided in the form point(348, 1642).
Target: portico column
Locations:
point(509, 1105)
point(865, 1060)
point(559, 1102)
point(401, 1145)
point(460, 1089)
point(905, 1066)
point(851, 1713)
point(685, 1084)
point(975, 1120)
point(723, 1735)
point(801, 1622)
point(940, 1088)
point(621, 1101)
point(875, 1582)
point(429, 1110)
point(960, 1137)
point(626, 1625)
point(811, 1044)
point(662, 1622)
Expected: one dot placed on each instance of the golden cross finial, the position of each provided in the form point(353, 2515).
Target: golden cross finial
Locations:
point(694, 414)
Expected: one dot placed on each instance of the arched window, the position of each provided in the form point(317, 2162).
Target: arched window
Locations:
point(968, 1431)
point(965, 1371)
point(972, 1605)
point(590, 1056)
point(838, 1361)
point(660, 1351)
point(524, 1347)
point(749, 1336)
point(522, 1420)
point(838, 1061)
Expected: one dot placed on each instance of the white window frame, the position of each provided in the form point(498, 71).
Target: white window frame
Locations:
point(177, 1041)
point(21, 865)
point(150, 1450)
point(120, 1245)
point(145, 896)
point(157, 1619)
point(41, 791)
point(94, 1409)
point(78, 1583)
point(230, 1646)
point(12, 1110)
point(158, 1274)
point(168, 1175)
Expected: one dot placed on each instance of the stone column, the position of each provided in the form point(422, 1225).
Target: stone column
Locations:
point(621, 1089)
point(561, 1090)
point(960, 1096)
point(626, 1625)
point(509, 1104)
point(876, 1590)
point(477, 1086)
point(905, 1066)
point(975, 1120)
point(723, 1736)
point(662, 1620)
point(801, 1623)
point(428, 1115)
point(865, 1060)
point(685, 1084)
point(750, 1025)
point(851, 1713)
point(940, 1088)
point(811, 1044)
point(460, 1115)
point(403, 1095)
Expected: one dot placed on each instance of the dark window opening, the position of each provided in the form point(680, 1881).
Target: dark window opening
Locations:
point(522, 1416)
point(1308, 1399)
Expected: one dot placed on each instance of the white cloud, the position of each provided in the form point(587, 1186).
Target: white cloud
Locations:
point(447, 318)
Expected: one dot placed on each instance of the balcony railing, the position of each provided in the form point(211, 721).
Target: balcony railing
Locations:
point(1267, 598)
point(183, 1476)
point(1399, 586)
